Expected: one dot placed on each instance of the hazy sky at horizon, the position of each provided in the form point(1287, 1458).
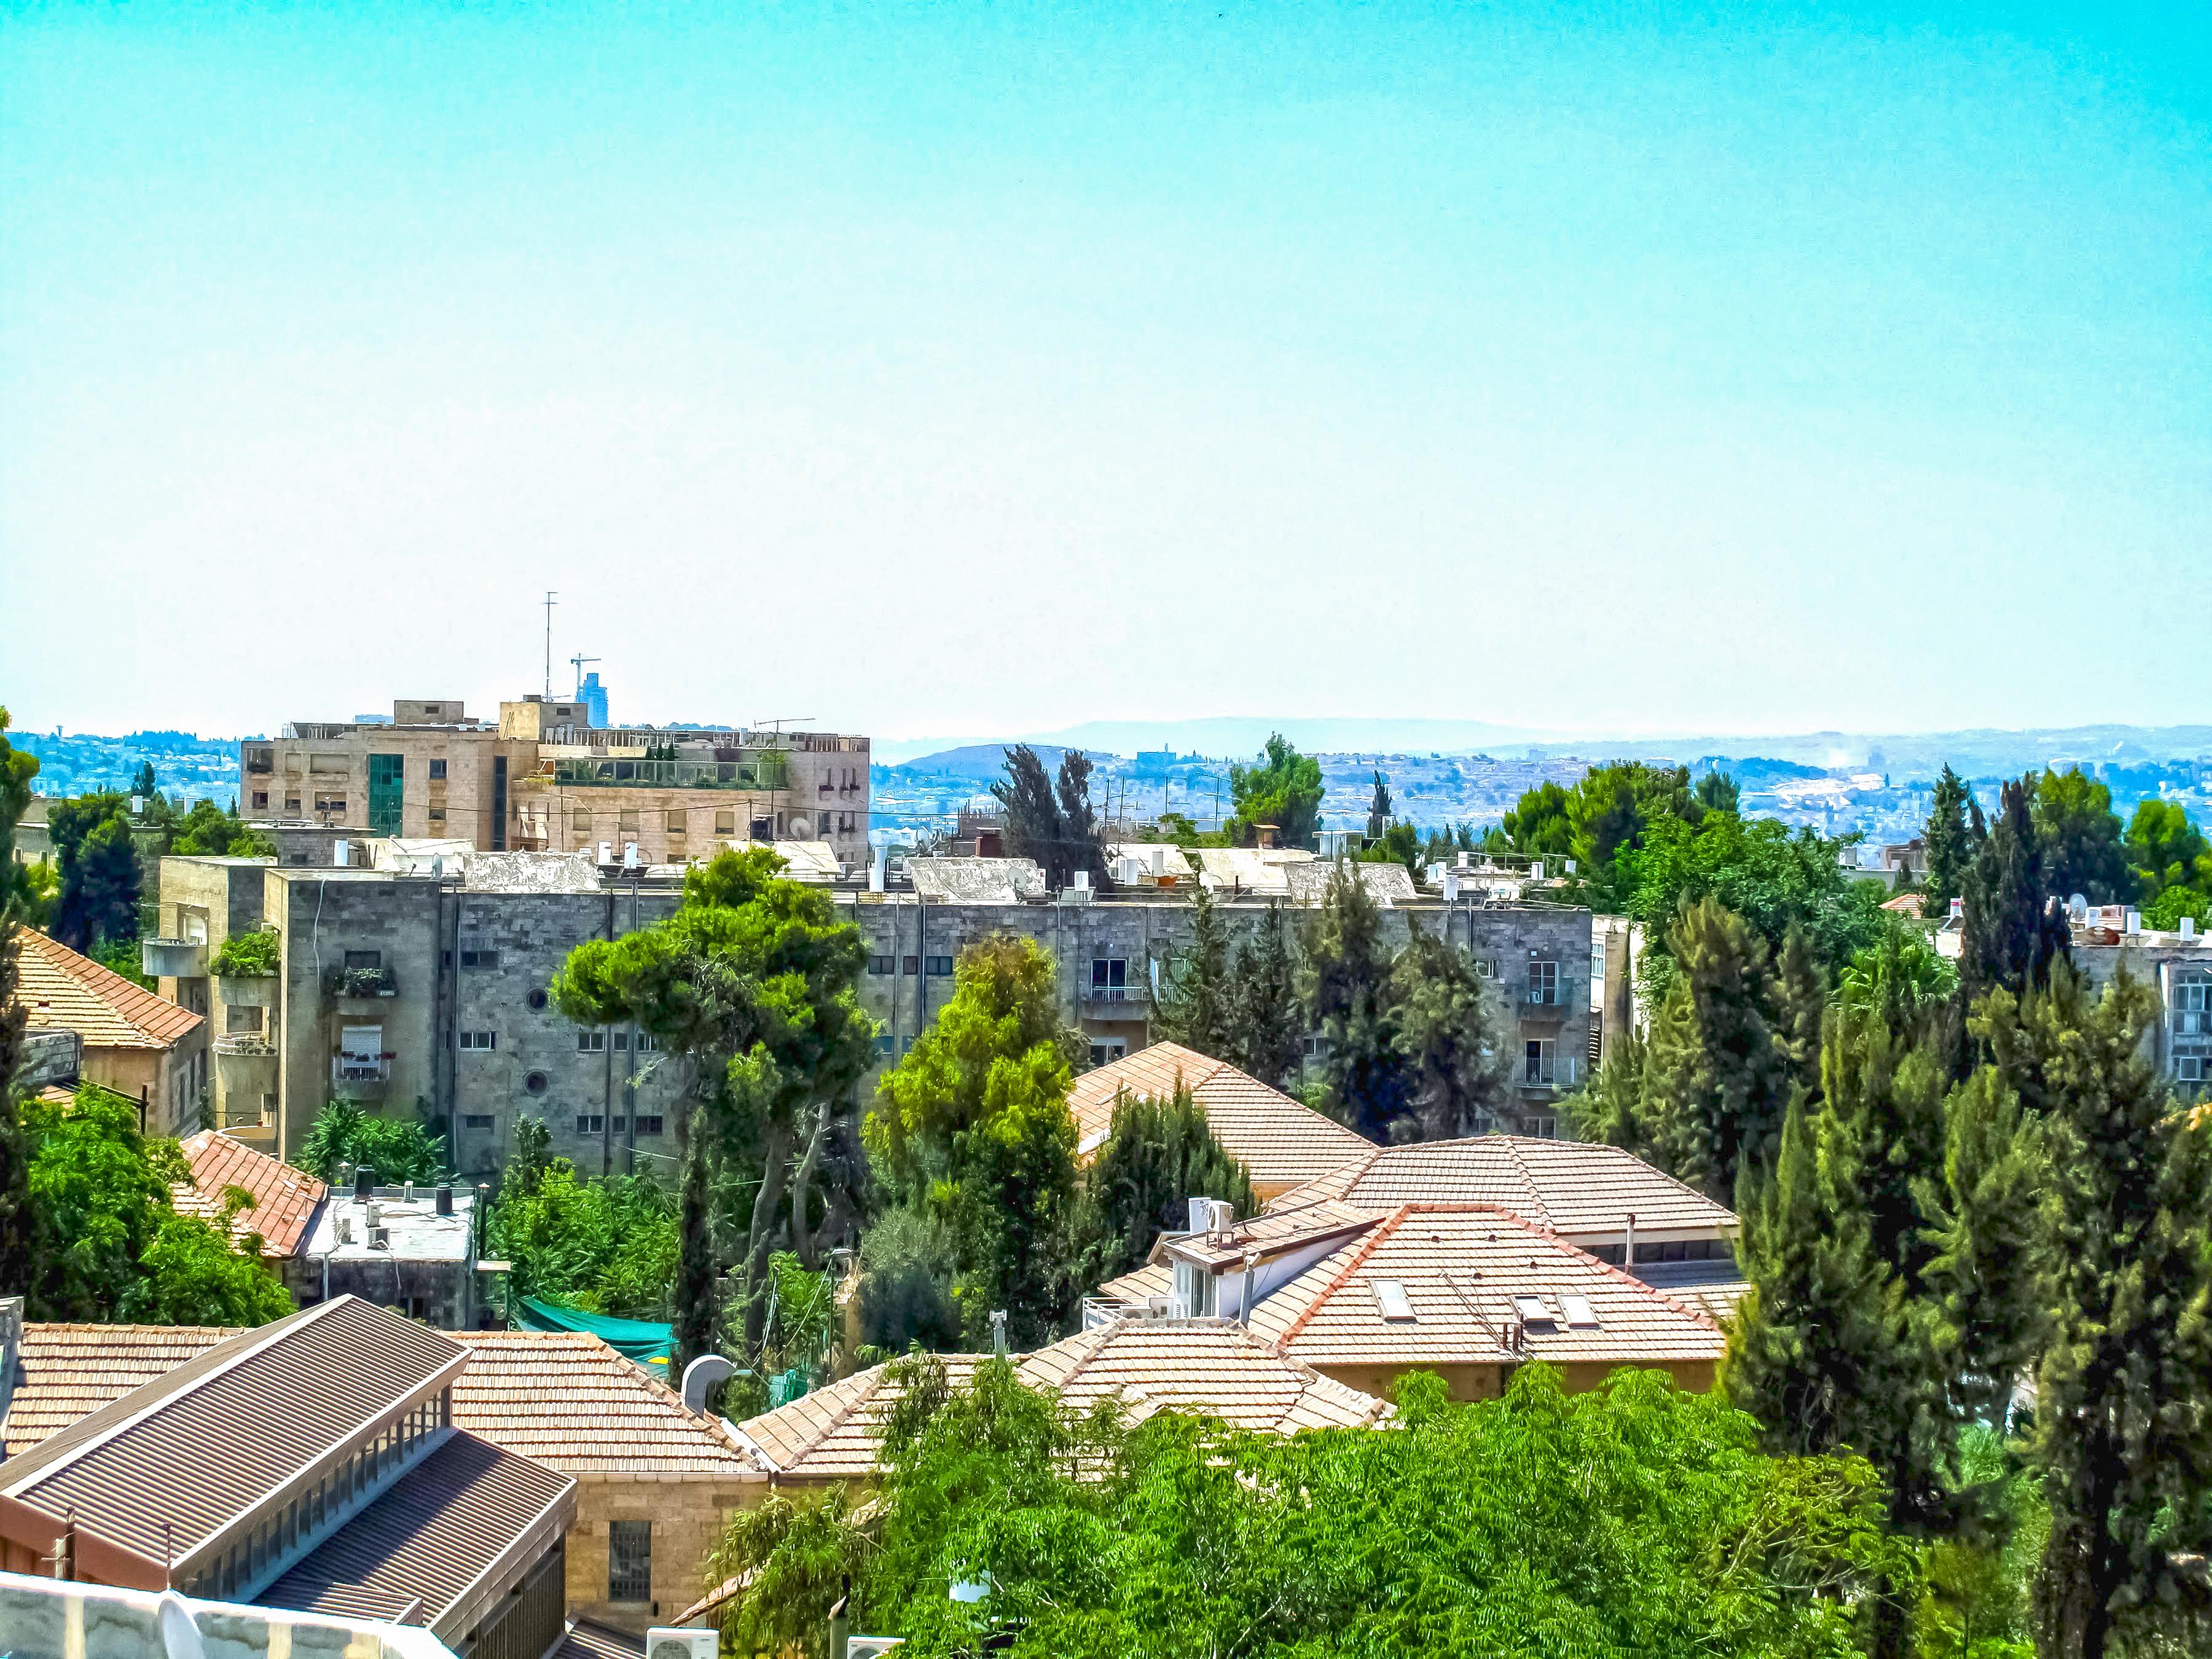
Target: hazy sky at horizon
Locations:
point(960, 370)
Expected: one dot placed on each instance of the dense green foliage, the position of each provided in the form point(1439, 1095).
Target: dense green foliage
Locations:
point(1157, 1156)
point(1950, 840)
point(971, 1129)
point(1633, 1519)
point(1285, 789)
point(1052, 821)
point(1241, 1005)
point(605, 1246)
point(100, 881)
point(207, 830)
point(749, 987)
point(17, 897)
point(108, 1244)
point(249, 954)
point(397, 1150)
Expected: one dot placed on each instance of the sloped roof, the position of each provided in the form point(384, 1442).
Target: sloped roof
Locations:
point(1582, 1190)
point(1274, 1233)
point(1386, 883)
point(67, 1371)
point(1460, 1267)
point(1155, 1278)
point(56, 987)
point(284, 1198)
point(808, 860)
point(1211, 1366)
point(1250, 869)
point(1173, 860)
point(568, 1400)
point(976, 881)
point(1278, 1139)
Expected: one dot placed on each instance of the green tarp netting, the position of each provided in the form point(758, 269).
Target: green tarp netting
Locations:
point(636, 1339)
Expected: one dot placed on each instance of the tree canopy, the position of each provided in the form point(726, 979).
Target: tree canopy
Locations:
point(1285, 789)
point(1052, 821)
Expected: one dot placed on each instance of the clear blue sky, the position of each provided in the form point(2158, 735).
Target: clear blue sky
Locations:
point(964, 370)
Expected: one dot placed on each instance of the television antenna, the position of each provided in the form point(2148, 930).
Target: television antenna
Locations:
point(779, 722)
point(549, 645)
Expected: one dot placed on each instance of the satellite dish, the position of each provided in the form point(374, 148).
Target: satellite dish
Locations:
point(2077, 906)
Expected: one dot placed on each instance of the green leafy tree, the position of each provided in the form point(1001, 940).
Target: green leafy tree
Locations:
point(1950, 849)
point(109, 1245)
point(397, 1150)
point(909, 1261)
point(1452, 1039)
point(2080, 838)
point(605, 1246)
point(207, 830)
point(2165, 850)
point(749, 987)
point(972, 1129)
point(99, 900)
point(1631, 1519)
point(1158, 1154)
point(1196, 1003)
point(1269, 1019)
point(1349, 998)
point(17, 771)
point(1612, 810)
point(1539, 825)
point(1284, 790)
point(1400, 843)
point(2122, 1437)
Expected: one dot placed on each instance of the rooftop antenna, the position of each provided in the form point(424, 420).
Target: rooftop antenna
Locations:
point(579, 660)
point(549, 645)
point(779, 722)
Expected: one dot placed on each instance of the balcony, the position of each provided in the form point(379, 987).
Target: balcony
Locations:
point(247, 990)
point(360, 982)
point(360, 1077)
point(1559, 1074)
point(1543, 1003)
point(767, 770)
point(173, 958)
point(246, 1045)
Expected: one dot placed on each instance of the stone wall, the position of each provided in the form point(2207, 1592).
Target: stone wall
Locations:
point(688, 1514)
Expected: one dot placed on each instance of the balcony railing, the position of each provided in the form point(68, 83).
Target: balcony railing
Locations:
point(171, 958)
point(768, 770)
point(360, 982)
point(251, 1045)
point(360, 1068)
point(1558, 1073)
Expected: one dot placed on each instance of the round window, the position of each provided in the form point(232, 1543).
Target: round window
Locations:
point(536, 999)
point(535, 1082)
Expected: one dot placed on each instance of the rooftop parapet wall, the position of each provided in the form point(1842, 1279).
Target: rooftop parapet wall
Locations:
point(49, 1619)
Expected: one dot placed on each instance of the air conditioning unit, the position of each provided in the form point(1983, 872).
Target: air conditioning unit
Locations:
point(1220, 1216)
point(665, 1641)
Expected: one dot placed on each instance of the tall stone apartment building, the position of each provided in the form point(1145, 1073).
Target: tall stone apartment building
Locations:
point(404, 991)
point(544, 779)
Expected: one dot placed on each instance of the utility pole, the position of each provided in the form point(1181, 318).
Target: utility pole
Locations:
point(549, 645)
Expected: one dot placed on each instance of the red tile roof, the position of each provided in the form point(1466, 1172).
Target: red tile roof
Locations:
point(1279, 1140)
point(68, 1371)
point(285, 1200)
point(58, 987)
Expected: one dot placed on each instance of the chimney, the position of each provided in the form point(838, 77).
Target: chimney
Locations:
point(445, 1200)
point(364, 1183)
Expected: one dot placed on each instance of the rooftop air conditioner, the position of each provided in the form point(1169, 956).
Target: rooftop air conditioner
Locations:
point(1220, 1216)
point(664, 1642)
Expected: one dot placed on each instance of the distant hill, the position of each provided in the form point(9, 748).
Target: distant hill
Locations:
point(978, 761)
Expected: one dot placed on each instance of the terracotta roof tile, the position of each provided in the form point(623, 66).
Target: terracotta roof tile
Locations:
point(1461, 1267)
point(1207, 1366)
point(67, 1372)
point(1584, 1191)
point(1280, 1141)
point(285, 1200)
point(58, 987)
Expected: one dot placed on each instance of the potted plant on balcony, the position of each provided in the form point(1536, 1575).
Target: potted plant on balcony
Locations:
point(361, 982)
point(245, 966)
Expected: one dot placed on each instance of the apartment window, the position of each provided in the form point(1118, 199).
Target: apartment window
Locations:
point(437, 771)
point(879, 966)
point(261, 798)
point(479, 959)
point(650, 1124)
point(292, 805)
point(622, 1043)
point(437, 815)
point(580, 823)
point(591, 1123)
point(885, 1044)
point(364, 958)
point(910, 965)
point(478, 1042)
point(1541, 1062)
point(1489, 968)
point(628, 823)
point(1106, 1051)
point(940, 967)
point(1109, 979)
point(676, 823)
point(333, 803)
point(629, 1560)
point(476, 1120)
point(1544, 984)
point(647, 1043)
point(726, 824)
point(763, 829)
point(591, 1042)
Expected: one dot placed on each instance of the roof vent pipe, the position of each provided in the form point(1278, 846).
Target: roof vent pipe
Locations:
point(445, 1200)
point(1628, 1249)
point(364, 1182)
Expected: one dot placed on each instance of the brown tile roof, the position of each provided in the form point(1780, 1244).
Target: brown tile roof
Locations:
point(450, 1534)
point(1461, 1267)
point(56, 987)
point(568, 1400)
point(1280, 1141)
point(1206, 1365)
point(284, 1198)
point(67, 1371)
point(1153, 1279)
point(1581, 1190)
point(561, 1398)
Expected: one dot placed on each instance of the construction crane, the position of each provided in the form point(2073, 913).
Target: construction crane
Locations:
point(579, 660)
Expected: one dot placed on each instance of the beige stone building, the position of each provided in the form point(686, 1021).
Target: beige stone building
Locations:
point(133, 1042)
point(543, 779)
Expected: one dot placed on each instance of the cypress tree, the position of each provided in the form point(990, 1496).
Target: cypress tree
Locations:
point(1378, 809)
point(1948, 847)
point(1196, 1005)
point(1348, 997)
point(1452, 1038)
point(1034, 829)
point(1158, 1154)
point(2012, 932)
point(1715, 1081)
point(1082, 846)
point(1269, 1018)
point(698, 1317)
point(2123, 1431)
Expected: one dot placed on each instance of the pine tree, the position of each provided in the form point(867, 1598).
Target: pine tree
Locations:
point(2080, 839)
point(1158, 1154)
point(1798, 994)
point(1269, 1018)
point(1378, 809)
point(1034, 827)
point(1949, 850)
point(1348, 998)
point(2013, 931)
point(1082, 846)
point(2122, 1433)
point(1196, 1005)
point(1452, 1038)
